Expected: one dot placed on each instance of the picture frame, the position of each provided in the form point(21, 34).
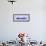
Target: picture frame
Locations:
point(21, 17)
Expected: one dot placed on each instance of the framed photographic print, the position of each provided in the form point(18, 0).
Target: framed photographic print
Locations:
point(21, 17)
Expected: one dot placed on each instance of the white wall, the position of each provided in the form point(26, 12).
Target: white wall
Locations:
point(36, 27)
